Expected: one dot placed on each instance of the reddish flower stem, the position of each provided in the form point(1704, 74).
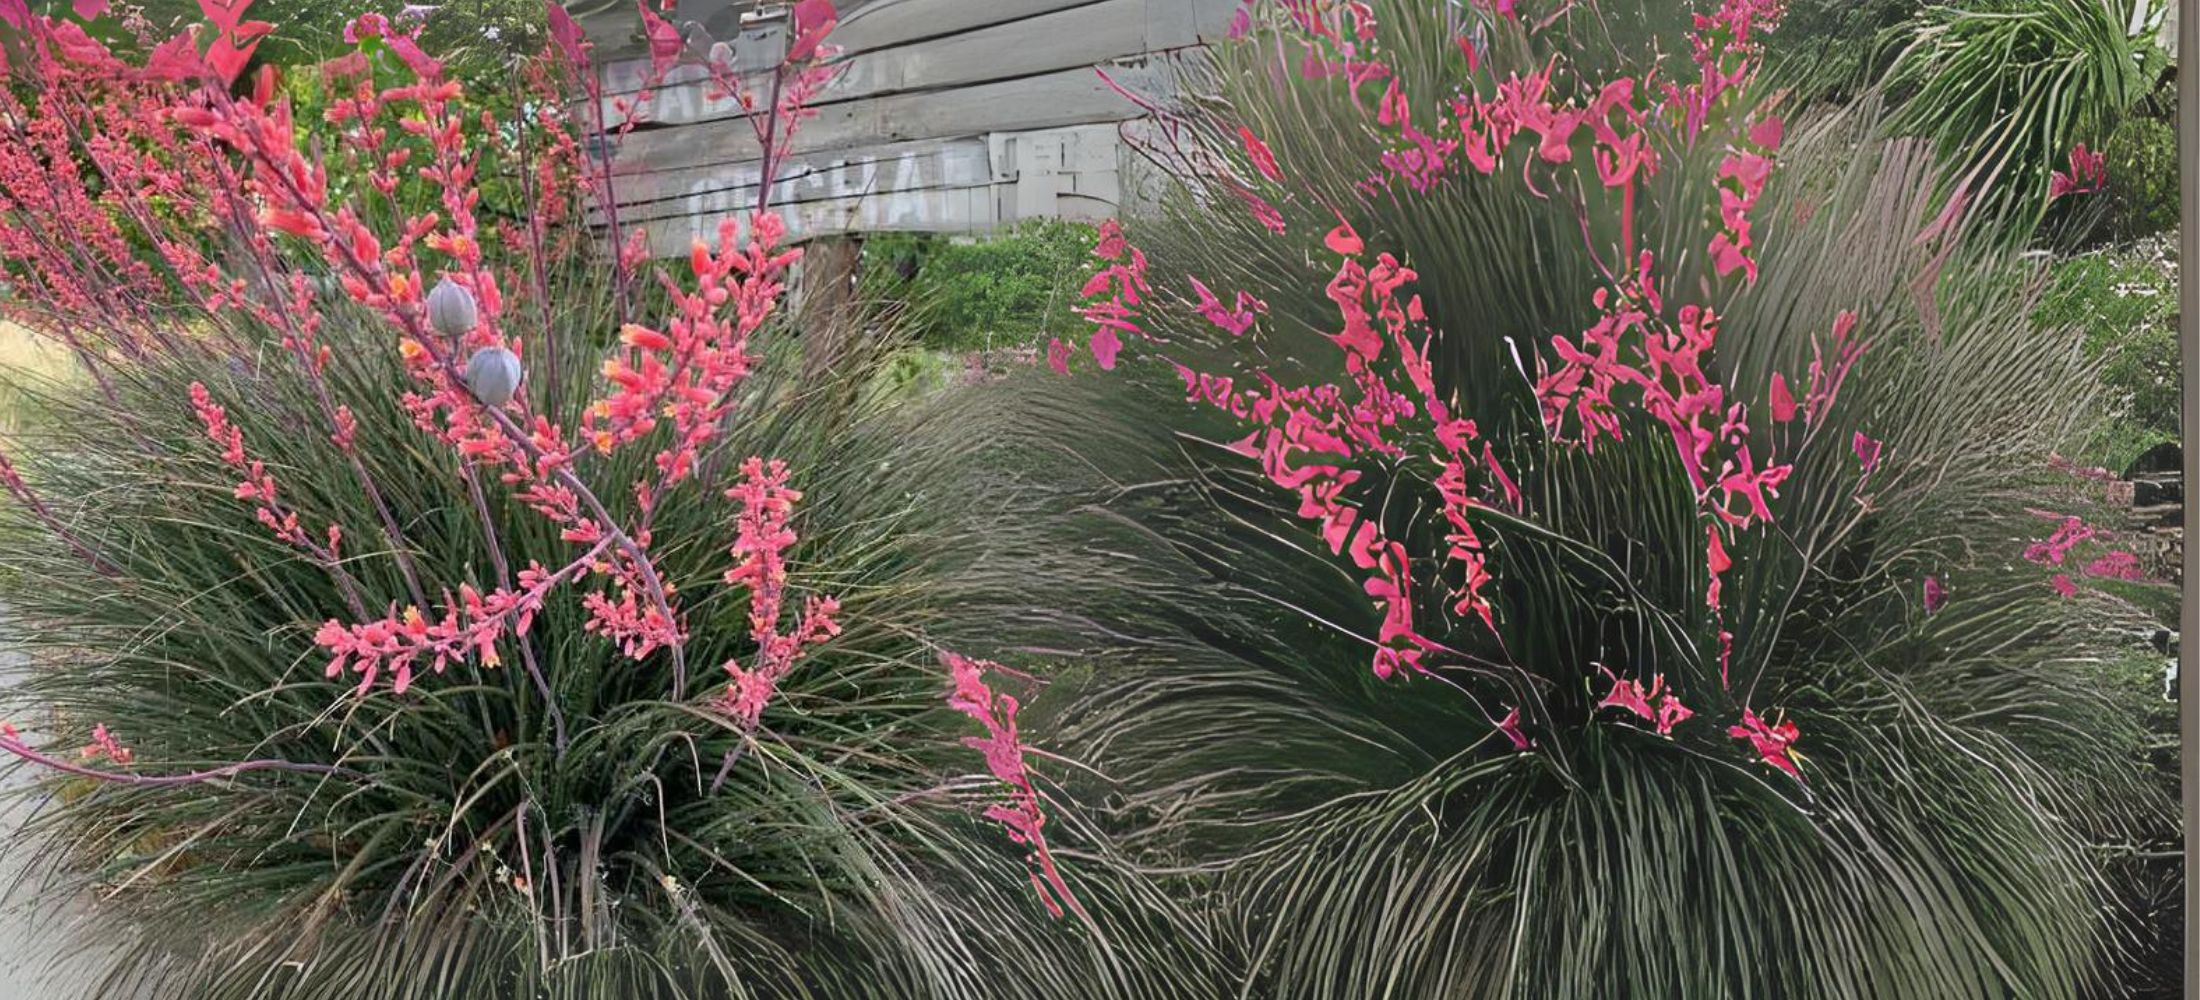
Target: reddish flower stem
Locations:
point(24, 751)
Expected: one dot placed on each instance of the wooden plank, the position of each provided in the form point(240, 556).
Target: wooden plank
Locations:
point(867, 28)
point(1069, 97)
point(944, 210)
point(616, 28)
point(1175, 24)
point(1083, 35)
point(1065, 173)
point(817, 176)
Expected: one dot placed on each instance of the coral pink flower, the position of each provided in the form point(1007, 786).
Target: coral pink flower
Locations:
point(2064, 585)
point(1105, 346)
point(1510, 726)
point(1656, 705)
point(2088, 173)
point(1235, 319)
point(813, 20)
point(1506, 487)
point(1783, 402)
point(1263, 159)
point(2056, 547)
point(1826, 376)
point(1342, 241)
point(1867, 451)
point(1265, 213)
point(1716, 558)
point(1113, 293)
point(103, 744)
point(1003, 750)
point(665, 43)
point(1935, 594)
point(1671, 713)
point(1774, 744)
point(1629, 695)
point(761, 538)
point(2116, 565)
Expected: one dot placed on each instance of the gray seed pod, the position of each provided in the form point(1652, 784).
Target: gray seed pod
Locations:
point(493, 373)
point(451, 308)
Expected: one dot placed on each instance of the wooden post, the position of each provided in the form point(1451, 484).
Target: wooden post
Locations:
point(2188, 330)
point(830, 266)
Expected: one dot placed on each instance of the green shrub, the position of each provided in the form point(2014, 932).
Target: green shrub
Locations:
point(2144, 193)
point(1835, 50)
point(1010, 290)
point(2124, 300)
point(479, 38)
point(2004, 89)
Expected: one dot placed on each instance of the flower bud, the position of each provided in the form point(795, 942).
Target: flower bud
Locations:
point(493, 373)
point(451, 308)
point(721, 56)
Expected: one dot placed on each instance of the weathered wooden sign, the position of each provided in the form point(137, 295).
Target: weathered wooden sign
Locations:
point(953, 116)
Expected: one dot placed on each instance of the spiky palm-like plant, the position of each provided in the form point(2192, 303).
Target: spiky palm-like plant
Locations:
point(2004, 91)
point(393, 687)
point(1934, 826)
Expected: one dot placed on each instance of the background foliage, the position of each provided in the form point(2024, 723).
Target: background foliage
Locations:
point(1011, 289)
point(2124, 299)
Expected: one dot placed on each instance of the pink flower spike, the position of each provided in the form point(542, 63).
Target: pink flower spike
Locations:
point(1262, 211)
point(2064, 585)
point(1783, 401)
point(105, 745)
point(1510, 726)
point(1773, 743)
point(1058, 356)
point(1629, 695)
point(1867, 451)
point(1505, 484)
point(1003, 750)
point(1263, 159)
point(762, 536)
point(1935, 594)
point(1671, 713)
point(1105, 345)
point(1236, 320)
point(1717, 560)
point(1342, 241)
point(2057, 546)
point(2088, 173)
point(1766, 134)
point(665, 43)
point(2115, 565)
point(813, 20)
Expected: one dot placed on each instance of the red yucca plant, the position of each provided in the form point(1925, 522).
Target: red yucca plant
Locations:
point(1641, 358)
point(1594, 563)
point(396, 540)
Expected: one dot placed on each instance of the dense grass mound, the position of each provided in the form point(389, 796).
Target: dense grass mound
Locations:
point(461, 852)
point(1965, 769)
